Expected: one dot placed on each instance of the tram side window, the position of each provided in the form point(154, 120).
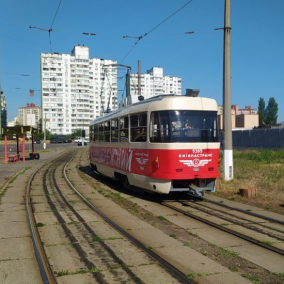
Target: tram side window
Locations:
point(95, 133)
point(91, 132)
point(114, 130)
point(106, 131)
point(138, 128)
point(159, 127)
point(101, 132)
point(123, 126)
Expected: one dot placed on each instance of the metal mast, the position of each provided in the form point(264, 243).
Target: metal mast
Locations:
point(139, 79)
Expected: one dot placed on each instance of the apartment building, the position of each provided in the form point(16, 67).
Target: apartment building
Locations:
point(154, 83)
point(76, 89)
point(29, 115)
point(246, 118)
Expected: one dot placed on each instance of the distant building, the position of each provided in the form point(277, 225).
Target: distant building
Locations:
point(29, 115)
point(76, 89)
point(3, 111)
point(246, 118)
point(12, 123)
point(154, 83)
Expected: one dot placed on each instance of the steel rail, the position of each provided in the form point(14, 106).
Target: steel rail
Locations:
point(45, 270)
point(227, 230)
point(228, 215)
point(155, 256)
point(245, 212)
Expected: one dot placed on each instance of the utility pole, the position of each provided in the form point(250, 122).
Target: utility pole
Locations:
point(228, 170)
point(128, 83)
point(139, 79)
point(44, 133)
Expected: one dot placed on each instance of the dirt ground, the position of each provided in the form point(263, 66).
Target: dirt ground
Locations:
point(266, 178)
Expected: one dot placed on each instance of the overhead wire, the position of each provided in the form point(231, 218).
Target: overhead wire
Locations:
point(50, 29)
point(162, 22)
point(55, 14)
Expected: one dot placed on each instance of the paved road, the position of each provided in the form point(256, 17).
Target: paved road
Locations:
point(10, 169)
point(28, 147)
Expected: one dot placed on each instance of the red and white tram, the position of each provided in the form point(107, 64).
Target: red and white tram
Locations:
point(163, 144)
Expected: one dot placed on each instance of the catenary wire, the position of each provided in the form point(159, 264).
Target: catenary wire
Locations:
point(141, 37)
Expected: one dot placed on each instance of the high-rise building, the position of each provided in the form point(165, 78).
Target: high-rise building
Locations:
point(3, 111)
point(29, 115)
point(76, 89)
point(154, 83)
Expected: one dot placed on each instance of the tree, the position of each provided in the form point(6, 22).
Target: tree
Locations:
point(271, 112)
point(261, 111)
point(76, 133)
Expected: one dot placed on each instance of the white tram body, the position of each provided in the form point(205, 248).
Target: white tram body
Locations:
point(163, 144)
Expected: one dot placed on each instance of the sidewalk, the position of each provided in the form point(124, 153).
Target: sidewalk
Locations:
point(17, 258)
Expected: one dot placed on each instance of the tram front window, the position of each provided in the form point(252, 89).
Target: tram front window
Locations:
point(183, 126)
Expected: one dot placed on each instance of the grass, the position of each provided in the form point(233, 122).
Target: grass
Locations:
point(62, 273)
point(82, 271)
point(38, 225)
point(191, 275)
point(113, 238)
point(224, 252)
point(94, 270)
point(260, 169)
point(97, 239)
point(253, 279)
point(161, 218)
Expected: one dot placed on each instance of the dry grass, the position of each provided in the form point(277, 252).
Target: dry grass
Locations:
point(263, 170)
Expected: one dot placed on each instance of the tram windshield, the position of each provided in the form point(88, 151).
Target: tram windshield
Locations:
point(183, 126)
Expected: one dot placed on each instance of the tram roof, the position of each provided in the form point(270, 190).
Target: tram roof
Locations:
point(163, 102)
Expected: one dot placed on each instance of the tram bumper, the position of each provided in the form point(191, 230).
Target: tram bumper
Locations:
point(203, 186)
point(195, 187)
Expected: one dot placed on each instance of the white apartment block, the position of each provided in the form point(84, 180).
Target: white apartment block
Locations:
point(154, 83)
point(76, 89)
point(29, 115)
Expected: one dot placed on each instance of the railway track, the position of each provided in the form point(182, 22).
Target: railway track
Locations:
point(72, 238)
point(254, 228)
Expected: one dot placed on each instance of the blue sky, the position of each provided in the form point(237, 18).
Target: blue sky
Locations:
point(257, 39)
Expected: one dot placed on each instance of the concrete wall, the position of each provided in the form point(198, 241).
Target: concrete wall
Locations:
point(265, 138)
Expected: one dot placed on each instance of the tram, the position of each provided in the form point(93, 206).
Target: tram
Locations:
point(163, 144)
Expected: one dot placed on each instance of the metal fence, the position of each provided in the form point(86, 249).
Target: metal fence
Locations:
point(255, 138)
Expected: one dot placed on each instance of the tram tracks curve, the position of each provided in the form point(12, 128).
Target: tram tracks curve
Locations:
point(52, 191)
point(258, 226)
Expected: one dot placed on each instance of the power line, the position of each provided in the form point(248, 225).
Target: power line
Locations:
point(56, 14)
point(141, 37)
point(50, 29)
